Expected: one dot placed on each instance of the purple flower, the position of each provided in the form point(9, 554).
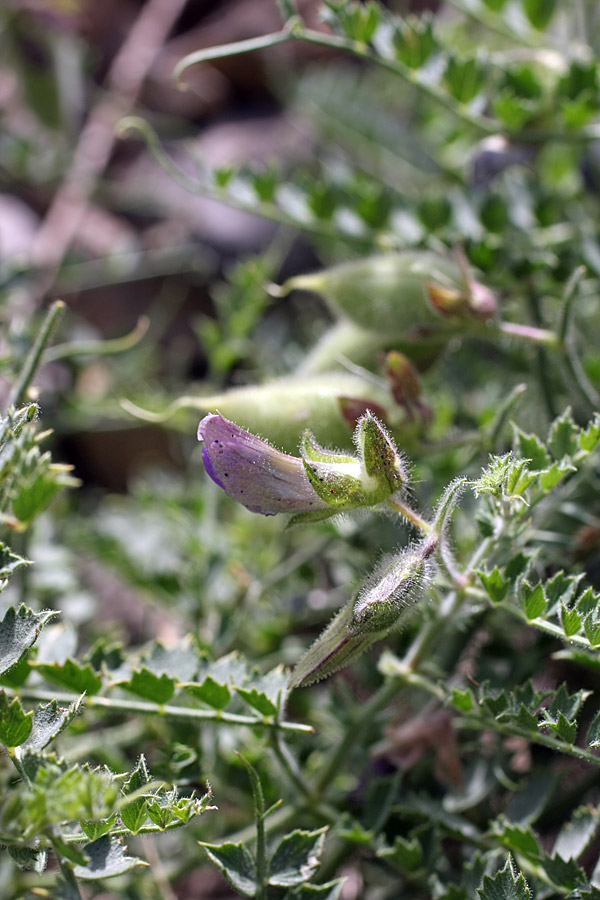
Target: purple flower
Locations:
point(249, 470)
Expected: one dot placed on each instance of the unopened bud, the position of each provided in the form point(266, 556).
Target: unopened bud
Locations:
point(378, 608)
point(398, 581)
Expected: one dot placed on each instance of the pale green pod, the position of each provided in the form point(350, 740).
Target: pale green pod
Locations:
point(280, 411)
point(390, 294)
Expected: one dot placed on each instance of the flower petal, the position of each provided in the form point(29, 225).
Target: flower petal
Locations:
point(249, 470)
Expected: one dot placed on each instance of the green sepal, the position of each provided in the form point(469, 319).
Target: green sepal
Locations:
point(380, 456)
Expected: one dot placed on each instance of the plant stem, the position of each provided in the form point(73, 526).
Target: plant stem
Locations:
point(410, 515)
point(166, 710)
point(34, 356)
point(289, 765)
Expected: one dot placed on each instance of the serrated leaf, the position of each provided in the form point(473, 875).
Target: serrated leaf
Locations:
point(564, 873)
point(554, 475)
point(588, 438)
point(563, 437)
point(494, 585)
point(534, 601)
point(257, 700)
point(568, 704)
point(519, 840)
point(516, 566)
point(264, 693)
point(296, 858)
point(407, 855)
point(15, 723)
point(98, 828)
point(72, 675)
point(29, 858)
point(19, 631)
point(527, 719)
point(592, 738)
point(507, 884)
point(9, 562)
point(570, 620)
point(209, 691)
point(564, 728)
point(530, 447)
point(69, 851)
point(576, 835)
point(134, 814)
point(48, 721)
point(236, 864)
point(107, 859)
point(462, 700)
point(330, 891)
point(144, 683)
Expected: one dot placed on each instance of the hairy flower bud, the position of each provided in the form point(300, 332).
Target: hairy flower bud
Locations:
point(377, 609)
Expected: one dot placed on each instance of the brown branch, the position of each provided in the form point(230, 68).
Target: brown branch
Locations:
point(93, 150)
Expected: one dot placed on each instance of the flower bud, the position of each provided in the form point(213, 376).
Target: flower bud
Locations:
point(378, 608)
point(391, 294)
point(398, 580)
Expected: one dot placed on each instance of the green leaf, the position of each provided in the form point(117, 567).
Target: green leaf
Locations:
point(48, 722)
point(330, 891)
point(236, 864)
point(414, 41)
point(539, 12)
point(144, 683)
point(593, 735)
point(296, 858)
point(571, 621)
point(588, 439)
point(134, 814)
point(554, 475)
point(494, 584)
point(29, 858)
point(407, 855)
point(257, 700)
point(209, 691)
point(507, 884)
point(462, 700)
point(563, 437)
point(519, 840)
point(464, 78)
point(568, 704)
point(527, 719)
point(265, 692)
point(107, 859)
point(564, 728)
point(576, 835)
point(98, 828)
point(535, 601)
point(565, 873)
point(9, 562)
point(15, 723)
point(19, 631)
point(72, 675)
point(530, 447)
